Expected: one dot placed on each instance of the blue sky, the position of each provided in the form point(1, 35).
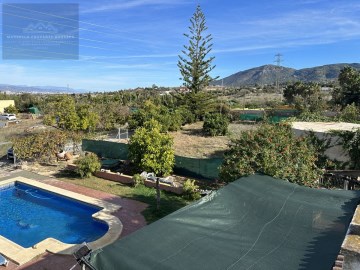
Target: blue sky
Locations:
point(130, 43)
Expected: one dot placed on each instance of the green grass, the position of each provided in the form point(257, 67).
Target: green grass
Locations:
point(169, 202)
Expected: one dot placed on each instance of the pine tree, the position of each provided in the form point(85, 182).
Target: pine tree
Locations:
point(194, 65)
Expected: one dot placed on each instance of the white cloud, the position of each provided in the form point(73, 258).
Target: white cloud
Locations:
point(295, 29)
point(131, 4)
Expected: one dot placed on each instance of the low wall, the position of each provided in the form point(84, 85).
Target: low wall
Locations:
point(124, 179)
point(127, 179)
point(71, 167)
point(166, 187)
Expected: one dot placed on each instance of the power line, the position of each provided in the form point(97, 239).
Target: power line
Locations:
point(75, 43)
point(21, 53)
point(61, 17)
point(85, 29)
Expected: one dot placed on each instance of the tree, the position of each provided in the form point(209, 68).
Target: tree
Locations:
point(305, 96)
point(41, 146)
point(194, 65)
point(152, 151)
point(215, 124)
point(11, 109)
point(272, 150)
point(350, 114)
point(88, 119)
point(349, 91)
point(169, 120)
point(62, 112)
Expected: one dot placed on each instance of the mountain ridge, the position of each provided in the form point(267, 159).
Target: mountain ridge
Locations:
point(38, 89)
point(267, 74)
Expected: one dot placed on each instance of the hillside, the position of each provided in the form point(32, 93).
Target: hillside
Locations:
point(267, 75)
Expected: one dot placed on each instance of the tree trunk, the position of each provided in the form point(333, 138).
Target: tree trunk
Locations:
point(157, 194)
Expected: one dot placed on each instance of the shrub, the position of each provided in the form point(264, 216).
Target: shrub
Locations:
point(350, 114)
point(320, 146)
point(307, 116)
point(215, 124)
point(138, 180)
point(11, 109)
point(350, 141)
point(191, 190)
point(272, 150)
point(187, 116)
point(87, 165)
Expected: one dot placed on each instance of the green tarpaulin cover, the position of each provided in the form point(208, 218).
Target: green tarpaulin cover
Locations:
point(256, 222)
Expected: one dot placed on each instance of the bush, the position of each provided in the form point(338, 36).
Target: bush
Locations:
point(350, 141)
point(307, 116)
point(350, 114)
point(187, 116)
point(272, 150)
point(138, 180)
point(191, 191)
point(11, 109)
point(87, 165)
point(215, 125)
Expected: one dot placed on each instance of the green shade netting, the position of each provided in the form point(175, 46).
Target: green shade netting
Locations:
point(256, 222)
point(106, 149)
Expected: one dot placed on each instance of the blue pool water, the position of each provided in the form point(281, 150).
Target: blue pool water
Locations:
point(29, 215)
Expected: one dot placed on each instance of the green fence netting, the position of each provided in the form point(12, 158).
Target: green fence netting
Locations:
point(191, 167)
point(251, 117)
point(260, 117)
point(195, 167)
point(106, 149)
point(256, 222)
point(277, 119)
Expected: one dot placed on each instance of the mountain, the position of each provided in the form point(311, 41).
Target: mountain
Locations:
point(267, 75)
point(38, 89)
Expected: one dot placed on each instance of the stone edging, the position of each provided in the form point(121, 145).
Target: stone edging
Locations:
point(351, 245)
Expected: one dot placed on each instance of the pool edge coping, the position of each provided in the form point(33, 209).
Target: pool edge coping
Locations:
point(21, 255)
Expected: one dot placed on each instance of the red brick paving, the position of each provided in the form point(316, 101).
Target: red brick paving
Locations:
point(129, 215)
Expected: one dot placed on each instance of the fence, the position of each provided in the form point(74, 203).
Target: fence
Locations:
point(106, 149)
point(192, 167)
point(199, 168)
point(341, 180)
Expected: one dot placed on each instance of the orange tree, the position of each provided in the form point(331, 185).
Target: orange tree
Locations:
point(272, 150)
point(152, 151)
point(41, 146)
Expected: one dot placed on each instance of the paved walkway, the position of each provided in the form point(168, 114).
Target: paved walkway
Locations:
point(129, 215)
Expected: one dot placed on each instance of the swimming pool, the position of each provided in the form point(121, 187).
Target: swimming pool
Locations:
point(29, 215)
point(36, 217)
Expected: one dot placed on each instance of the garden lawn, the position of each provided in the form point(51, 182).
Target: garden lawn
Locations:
point(169, 202)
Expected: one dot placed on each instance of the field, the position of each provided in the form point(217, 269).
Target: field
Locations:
point(190, 142)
